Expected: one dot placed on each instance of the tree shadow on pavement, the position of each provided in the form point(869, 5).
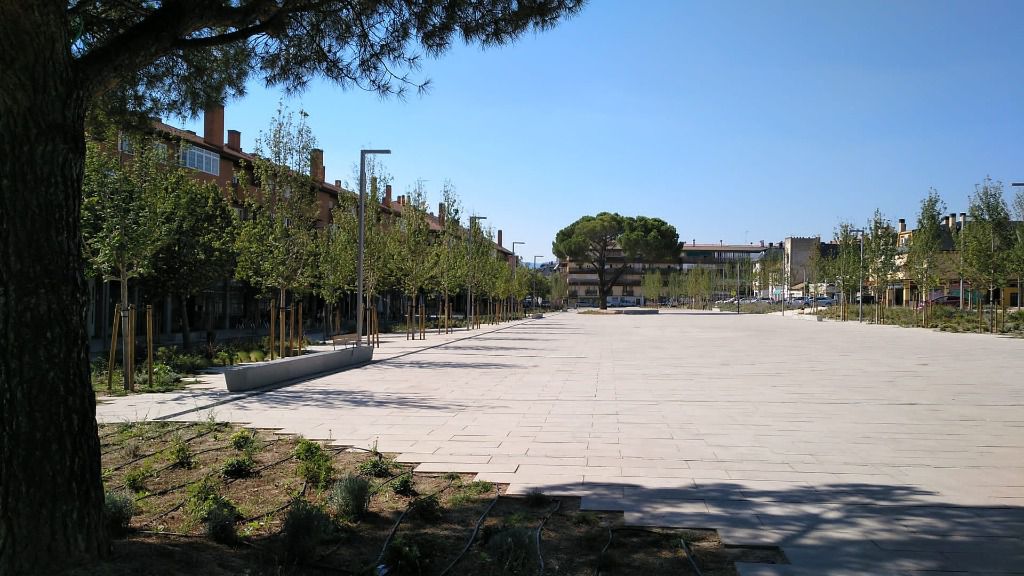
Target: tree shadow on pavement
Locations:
point(853, 528)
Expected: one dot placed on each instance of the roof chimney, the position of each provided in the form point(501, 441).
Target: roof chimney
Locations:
point(963, 219)
point(316, 164)
point(387, 196)
point(952, 222)
point(442, 216)
point(762, 243)
point(499, 238)
point(337, 183)
point(902, 225)
point(235, 140)
point(213, 125)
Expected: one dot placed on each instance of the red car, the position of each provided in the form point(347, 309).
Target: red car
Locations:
point(947, 300)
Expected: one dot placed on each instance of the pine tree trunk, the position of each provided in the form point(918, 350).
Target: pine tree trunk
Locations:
point(51, 495)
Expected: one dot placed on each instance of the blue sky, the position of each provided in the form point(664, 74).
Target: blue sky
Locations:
point(733, 121)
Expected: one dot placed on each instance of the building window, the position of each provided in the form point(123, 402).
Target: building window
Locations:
point(200, 159)
point(125, 144)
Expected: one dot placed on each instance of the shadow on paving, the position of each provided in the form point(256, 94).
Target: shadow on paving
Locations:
point(342, 398)
point(830, 529)
point(420, 364)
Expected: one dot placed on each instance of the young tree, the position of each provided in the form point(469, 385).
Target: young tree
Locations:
point(410, 264)
point(988, 239)
point(596, 242)
point(61, 60)
point(121, 217)
point(923, 259)
point(880, 259)
point(448, 253)
point(559, 289)
point(846, 266)
point(197, 226)
point(337, 245)
point(652, 286)
point(275, 243)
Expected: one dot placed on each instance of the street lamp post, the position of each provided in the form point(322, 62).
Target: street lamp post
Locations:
point(515, 272)
point(860, 295)
point(360, 307)
point(469, 258)
point(533, 281)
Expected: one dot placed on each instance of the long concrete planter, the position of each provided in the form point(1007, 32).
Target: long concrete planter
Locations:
point(251, 376)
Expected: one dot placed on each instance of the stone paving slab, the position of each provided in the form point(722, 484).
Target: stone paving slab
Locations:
point(857, 449)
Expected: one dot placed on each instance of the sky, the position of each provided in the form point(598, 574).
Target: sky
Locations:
point(734, 121)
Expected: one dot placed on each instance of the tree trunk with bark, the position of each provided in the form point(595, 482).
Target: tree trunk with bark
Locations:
point(186, 328)
point(51, 495)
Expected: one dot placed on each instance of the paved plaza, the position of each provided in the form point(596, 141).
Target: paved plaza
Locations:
point(857, 449)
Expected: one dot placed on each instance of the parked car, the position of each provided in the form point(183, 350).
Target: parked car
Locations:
point(945, 300)
point(824, 301)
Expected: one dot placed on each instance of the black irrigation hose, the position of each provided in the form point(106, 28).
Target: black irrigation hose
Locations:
point(145, 438)
point(689, 556)
point(394, 529)
point(472, 537)
point(540, 556)
point(597, 569)
point(144, 456)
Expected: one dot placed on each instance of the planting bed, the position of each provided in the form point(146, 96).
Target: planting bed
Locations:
point(283, 515)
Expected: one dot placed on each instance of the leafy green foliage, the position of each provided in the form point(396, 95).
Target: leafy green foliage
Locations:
point(244, 441)
point(403, 485)
point(205, 505)
point(377, 466)
point(135, 478)
point(239, 467)
point(275, 244)
point(988, 238)
point(179, 454)
point(609, 243)
point(315, 465)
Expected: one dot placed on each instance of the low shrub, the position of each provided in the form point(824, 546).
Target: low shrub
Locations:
point(350, 497)
point(403, 485)
point(164, 378)
point(239, 467)
point(241, 356)
point(512, 549)
point(179, 454)
point(305, 527)
point(220, 522)
point(256, 355)
point(118, 509)
point(244, 441)
point(315, 464)
point(135, 478)
point(377, 467)
point(180, 361)
point(413, 554)
point(203, 498)
point(427, 508)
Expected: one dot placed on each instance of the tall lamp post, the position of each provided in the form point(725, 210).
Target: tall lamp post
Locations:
point(515, 269)
point(533, 282)
point(860, 294)
point(469, 258)
point(360, 307)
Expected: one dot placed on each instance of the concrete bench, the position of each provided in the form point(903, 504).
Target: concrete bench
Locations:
point(262, 374)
